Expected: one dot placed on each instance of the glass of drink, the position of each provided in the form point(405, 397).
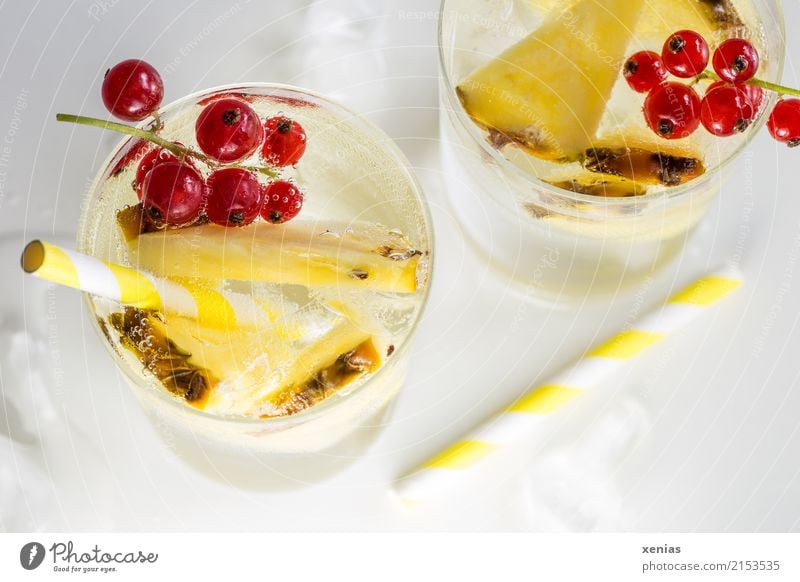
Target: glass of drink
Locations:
point(335, 294)
point(551, 166)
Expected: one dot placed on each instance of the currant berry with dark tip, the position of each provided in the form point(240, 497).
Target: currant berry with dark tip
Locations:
point(235, 197)
point(736, 60)
point(644, 71)
point(228, 130)
point(282, 202)
point(132, 90)
point(685, 54)
point(784, 122)
point(284, 142)
point(173, 194)
point(672, 110)
point(726, 110)
point(149, 161)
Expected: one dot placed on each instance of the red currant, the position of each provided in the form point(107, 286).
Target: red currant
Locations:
point(644, 71)
point(784, 122)
point(285, 142)
point(736, 60)
point(132, 90)
point(672, 110)
point(755, 95)
point(282, 202)
point(149, 161)
point(726, 110)
point(228, 130)
point(173, 193)
point(685, 54)
point(234, 197)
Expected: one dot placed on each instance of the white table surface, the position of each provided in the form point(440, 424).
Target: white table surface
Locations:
point(701, 435)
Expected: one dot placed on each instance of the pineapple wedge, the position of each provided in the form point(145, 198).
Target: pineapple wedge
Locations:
point(714, 19)
point(270, 372)
point(266, 374)
point(622, 171)
point(335, 361)
point(607, 185)
point(548, 92)
point(357, 255)
point(643, 166)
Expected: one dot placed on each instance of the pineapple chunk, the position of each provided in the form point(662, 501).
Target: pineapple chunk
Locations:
point(714, 19)
point(142, 334)
point(358, 255)
point(607, 185)
point(319, 372)
point(548, 92)
point(643, 166)
point(264, 373)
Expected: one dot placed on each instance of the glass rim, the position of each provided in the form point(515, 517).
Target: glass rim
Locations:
point(389, 145)
point(599, 202)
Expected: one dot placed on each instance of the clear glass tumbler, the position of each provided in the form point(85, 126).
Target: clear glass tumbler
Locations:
point(351, 171)
point(560, 245)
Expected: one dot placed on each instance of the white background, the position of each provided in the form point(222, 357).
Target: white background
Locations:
point(700, 436)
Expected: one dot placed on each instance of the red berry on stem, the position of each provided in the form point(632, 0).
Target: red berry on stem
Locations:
point(132, 90)
point(755, 95)
point(150, 161)
point(644, 71)
point(736, 60)
point(726, 110)
point(685, 54)
point(285, 142)
point(784, 122)
point(282, 202)
point(235, 197)
point(672, 110)
point(228, 130)
point(173, 193)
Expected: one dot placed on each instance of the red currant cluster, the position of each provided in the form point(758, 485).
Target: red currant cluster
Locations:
point(674, 110)
point(228, 130)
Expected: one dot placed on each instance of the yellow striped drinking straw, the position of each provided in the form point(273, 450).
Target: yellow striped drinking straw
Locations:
point(139, 289)
point(514, 424)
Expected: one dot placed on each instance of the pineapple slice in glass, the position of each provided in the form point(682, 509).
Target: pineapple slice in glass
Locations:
point(548, 92)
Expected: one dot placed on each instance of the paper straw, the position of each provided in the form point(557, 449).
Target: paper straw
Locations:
point(138, 289)
point(515, 423)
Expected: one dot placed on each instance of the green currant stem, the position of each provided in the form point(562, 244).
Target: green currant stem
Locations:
point(179, 151)
point(157, 123)
point(265, 170)
point(127, 130)
point(779, 89)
